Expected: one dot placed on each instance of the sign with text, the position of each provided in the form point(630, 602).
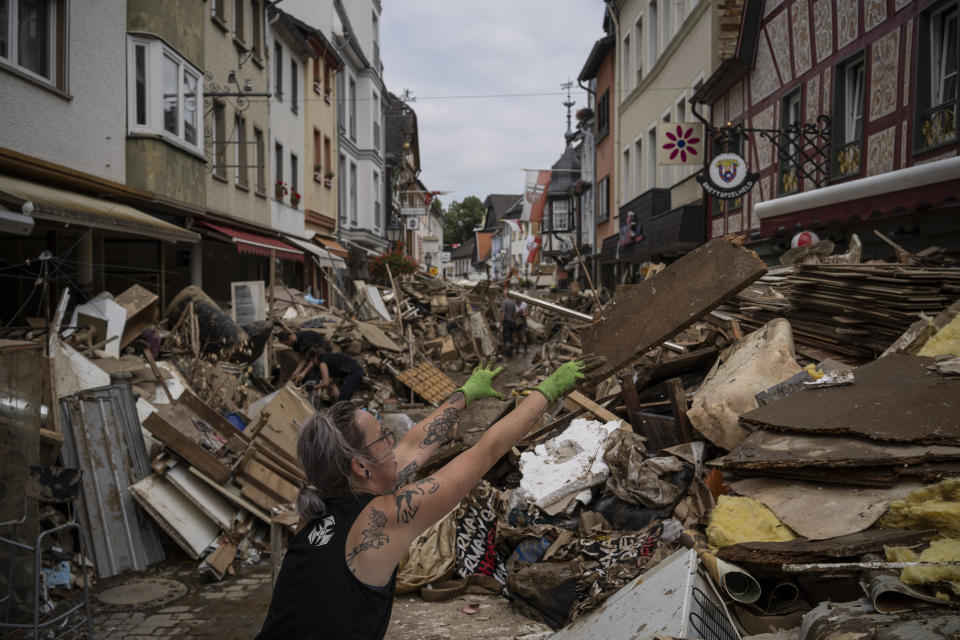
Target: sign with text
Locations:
point(727, 177)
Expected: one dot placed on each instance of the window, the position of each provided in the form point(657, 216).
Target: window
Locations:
point(603, 199)
point(326, 79)
point(353, 194)
point(790, 122)
point(665, 26)
point(666, 171)
point(848, 117)
point(376, 42)
point(682, 117)
point(293, 86)
point(341, 122)
point(937, 77)
point(261, 161)
point(294, 176)
point(681, 14)
point(278, 167)
point(603, 115)
point(33, 39)
point(653, 46)
point(238, 20)
point(327, 161)
point(353, 109)
point(216, 9)
point(164, 94)
point(241, 152)
point(278, 71)
point(625, 66)
point(317, 151)
point(256, 28)
point(560, 215)
point(625, 176)
point(219, 140)
point(376, 121)
point(638, 165)
point(638, 48)
point(376, 201)
point(341, 188)
point(651, 158)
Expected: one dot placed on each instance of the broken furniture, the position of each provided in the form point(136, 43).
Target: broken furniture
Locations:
point(49, 485)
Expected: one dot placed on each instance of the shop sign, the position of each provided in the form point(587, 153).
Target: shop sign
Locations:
point(727, 177)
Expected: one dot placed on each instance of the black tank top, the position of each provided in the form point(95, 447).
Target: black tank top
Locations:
point(316, 595)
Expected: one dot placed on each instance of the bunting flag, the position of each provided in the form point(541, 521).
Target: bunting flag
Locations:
point(531, 248)
point(535, 195)
point(513, 224)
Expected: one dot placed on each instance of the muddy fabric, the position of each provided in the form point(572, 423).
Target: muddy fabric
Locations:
point(637, 479)
point(476, 550)
point(430, 557)
point(545, 591)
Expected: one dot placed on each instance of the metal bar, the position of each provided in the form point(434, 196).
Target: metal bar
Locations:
point(550, 306)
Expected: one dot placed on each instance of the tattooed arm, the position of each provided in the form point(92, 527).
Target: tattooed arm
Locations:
point(425, 438)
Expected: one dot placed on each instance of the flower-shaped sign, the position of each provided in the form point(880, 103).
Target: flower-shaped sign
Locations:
point(681, 143)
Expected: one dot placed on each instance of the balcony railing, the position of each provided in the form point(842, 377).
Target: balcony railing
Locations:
point(938, 126)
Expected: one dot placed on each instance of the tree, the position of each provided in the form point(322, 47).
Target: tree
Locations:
point(461, 218)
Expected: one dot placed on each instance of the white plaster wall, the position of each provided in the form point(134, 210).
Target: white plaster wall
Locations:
point(287, 128)
point(87, 132)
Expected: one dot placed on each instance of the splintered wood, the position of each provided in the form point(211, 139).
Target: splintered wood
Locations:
point(428, 382)
point(656, 309)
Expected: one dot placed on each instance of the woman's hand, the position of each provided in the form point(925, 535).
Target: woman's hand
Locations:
point(480, 384)
point(566, 377)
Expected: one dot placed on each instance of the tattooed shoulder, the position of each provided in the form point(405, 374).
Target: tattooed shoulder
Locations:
point(373, 537)
point(410, 497)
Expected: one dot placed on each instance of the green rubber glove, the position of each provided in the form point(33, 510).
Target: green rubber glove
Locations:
point(566, 377)
point(480, 384)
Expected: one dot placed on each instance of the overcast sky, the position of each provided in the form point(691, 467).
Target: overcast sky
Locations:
point(438, 48)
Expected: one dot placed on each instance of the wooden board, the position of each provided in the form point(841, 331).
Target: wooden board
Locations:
point(428, 382)
point(232, 496)
point(188, 526)
point(173, 426)
point(375, 336)
point(656, 309)
point(802, 550)
point(288, 411)
point(141, 307)
point(594, 408)
point(203, 497)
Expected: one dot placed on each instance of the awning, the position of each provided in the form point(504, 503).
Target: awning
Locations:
point(332, 246)
point(370, 252)
point(324, 258)
point(254, 244)
point(892, 193)
point(60, 205)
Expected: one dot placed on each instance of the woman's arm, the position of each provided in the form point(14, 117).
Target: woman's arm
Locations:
point(425, 438)
point(324, 375)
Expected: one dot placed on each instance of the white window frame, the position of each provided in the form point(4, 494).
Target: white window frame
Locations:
point(680, 116)
point(666, 171)
point(564, 211)
point(377, 207)
point(651, 157)
point(937, 48)
point(156, 50)
point(638, 162)
point(13, 21)
point(625, 67)
point(352, 113)
point(638, 47)
point(653, 35)
point(354, 214)
point(375, 118)
point(625, 174)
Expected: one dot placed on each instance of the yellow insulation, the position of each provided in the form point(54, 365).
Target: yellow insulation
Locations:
point(934, 507)
point(946, 340)
point(740, 519)
point(945, 550)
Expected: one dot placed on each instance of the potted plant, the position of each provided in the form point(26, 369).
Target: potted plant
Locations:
point(280, 189)
point(399, 263)
point(294, 199)
point(317, 173)
point(328, 178)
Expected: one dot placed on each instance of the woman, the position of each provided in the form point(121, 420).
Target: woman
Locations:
point(360, 511)
point(323, 366)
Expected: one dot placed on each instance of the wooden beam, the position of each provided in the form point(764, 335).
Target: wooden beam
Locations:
point(657, 309)
point(678, 402)
point(593, 407)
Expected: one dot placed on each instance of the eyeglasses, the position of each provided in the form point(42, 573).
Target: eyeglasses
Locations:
point(388, 433)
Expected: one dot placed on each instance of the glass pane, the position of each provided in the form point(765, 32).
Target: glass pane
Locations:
point(34, 37)
point(171, 96)
point(949, 91)
point(190, 82)
point(4, 29)
point(140, 71)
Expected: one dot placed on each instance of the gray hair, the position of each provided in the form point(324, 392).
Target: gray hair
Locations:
point(327, 444)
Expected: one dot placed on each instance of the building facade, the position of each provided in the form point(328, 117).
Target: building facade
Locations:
point(885, 74)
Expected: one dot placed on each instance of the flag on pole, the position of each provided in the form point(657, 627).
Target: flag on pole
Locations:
point(530, 249)
point(513, 224)
point(535, 195)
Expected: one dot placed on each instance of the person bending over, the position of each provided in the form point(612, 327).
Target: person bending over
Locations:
point(325, 367)
point(359, 509)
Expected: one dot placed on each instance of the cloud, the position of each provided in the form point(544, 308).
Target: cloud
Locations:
point(440, 49)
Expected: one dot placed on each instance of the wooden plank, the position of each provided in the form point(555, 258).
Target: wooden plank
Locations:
point(235, 498)
point(591, 406)
point(803, 550)
point(268, 481)
point(375, 336)
point(167, 424)
point(257, 496)
point(678, 403)
point(206, 413)
point(288, 411)
point(656, 309)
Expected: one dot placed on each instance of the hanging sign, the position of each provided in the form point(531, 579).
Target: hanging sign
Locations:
point(727, 177)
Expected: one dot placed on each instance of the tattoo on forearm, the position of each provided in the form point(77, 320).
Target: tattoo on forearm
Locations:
point(374, 536)
point(455, 397)
point(407, 473)
point(439, 429)
point(408, 500)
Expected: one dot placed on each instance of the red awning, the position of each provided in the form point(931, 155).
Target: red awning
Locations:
point(257, 245)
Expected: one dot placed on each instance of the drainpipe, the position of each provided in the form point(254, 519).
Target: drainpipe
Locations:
point(616, 111)
point(707, 202)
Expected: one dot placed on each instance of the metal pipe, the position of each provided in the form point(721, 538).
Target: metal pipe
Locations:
point(550, 306)
point(821, 567)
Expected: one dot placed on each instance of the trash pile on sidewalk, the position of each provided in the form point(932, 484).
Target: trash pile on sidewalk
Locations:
point(713, 480)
